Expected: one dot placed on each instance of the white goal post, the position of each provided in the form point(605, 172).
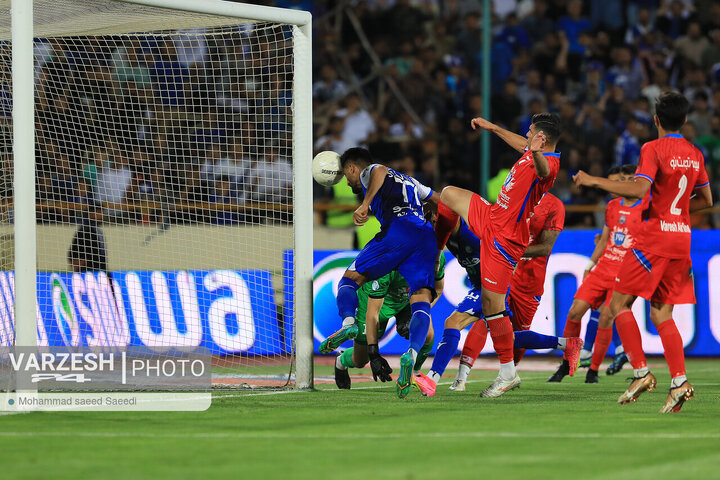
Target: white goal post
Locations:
point(94, 19)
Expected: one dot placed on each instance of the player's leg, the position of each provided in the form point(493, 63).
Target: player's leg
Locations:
point(620, 358)
point(643, 380)
point(602, 342)
point(454, 202)
point(474, 344)
point(680, 388)
point(676, 287)
point(347, 303)
point(420, 324)
point(589, 340)
point(501, 332)
point(572, 329)
point(446, 350)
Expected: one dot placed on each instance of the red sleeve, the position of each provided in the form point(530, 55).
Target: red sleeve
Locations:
point(556, 216)
point(647, 165)
point(702, 179)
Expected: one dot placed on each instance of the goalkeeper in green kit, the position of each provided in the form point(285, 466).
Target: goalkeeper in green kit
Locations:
point(379, 301)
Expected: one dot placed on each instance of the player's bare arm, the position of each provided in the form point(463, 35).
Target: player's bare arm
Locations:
point(636, 188)
point(515, 141)
point(544, 248)
point(599, 249)
point(377, 176)
point(537, 145)
point(702, 199)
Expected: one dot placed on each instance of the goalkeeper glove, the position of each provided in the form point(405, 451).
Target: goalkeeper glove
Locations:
point(379, 366)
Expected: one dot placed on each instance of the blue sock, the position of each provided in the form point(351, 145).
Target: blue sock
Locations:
point(419, 324)
point(534, 341)
point(347, 300)
point(591, 330)
point(616, 337)
point(446, 350)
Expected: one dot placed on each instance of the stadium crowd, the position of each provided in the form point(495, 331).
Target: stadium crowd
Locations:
point(202, 117)
point(599, 65)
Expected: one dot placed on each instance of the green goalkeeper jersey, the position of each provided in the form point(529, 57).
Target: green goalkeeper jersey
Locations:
point(394, 289)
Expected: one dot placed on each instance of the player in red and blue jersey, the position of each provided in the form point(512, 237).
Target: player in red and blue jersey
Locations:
point(526, 289)
point(623, 223)
point(672, 181)
point(405, 243)
point(465, 246)
point(503, 228)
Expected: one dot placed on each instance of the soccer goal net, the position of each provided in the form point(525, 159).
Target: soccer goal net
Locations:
point(172, 192)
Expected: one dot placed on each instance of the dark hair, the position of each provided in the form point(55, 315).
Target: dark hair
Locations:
point(429, 209)
point(550, 125)
point(671, 110)
point(628, 169)
point(359, 156)
point(614, 171)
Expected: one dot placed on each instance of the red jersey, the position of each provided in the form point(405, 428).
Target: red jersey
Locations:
point(624, 222)
point(675, 168)
point(529, 276)
point(520, 193)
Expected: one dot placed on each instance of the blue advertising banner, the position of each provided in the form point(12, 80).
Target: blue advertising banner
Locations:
point(226, 311)
point(699, 324)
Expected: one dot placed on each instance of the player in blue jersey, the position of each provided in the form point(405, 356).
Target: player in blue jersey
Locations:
point(465, 246)
point(406, 242)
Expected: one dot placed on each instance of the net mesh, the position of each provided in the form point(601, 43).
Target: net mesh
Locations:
point(164, 188)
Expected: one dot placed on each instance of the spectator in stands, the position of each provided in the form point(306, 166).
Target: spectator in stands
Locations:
point(711, 143)
point(673, 20)
point(271, 178)
point(87, 251)
point(701, 114)
point(328, 87)
point(627, 147)
point(114, 182)
point(223, 198)
point(359, 124)
point(691, 45)
point(334, 139)
point(573, 25)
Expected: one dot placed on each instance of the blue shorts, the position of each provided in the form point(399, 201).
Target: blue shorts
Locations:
point(406, 246)
point(472, 304)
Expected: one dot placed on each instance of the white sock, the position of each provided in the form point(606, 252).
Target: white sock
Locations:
point(640, 372)
point(413, 353)
point(339, 365)
point(619, 349)
point(463, 372)
point(562, 342)
point(434, 376)
point(507, 370)
point(677, 381)
point(585, 354)
point(348, 321)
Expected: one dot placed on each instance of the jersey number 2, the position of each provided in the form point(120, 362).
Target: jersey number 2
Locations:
point(682, 186)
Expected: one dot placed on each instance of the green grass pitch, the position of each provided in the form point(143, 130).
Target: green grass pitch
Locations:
point(541, 431)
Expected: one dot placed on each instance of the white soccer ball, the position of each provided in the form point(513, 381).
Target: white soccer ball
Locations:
point(326, 169)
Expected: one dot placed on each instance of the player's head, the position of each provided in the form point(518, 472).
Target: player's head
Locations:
point(615, 174)
point(549, 124)
point(353, 161)
point(671, 111)
point(628, 171)
point(430, 212)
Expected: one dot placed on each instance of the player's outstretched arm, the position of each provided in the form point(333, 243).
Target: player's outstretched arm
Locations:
point(515, 141)
point(634, 188)
point(701, 199)
point(377, 176)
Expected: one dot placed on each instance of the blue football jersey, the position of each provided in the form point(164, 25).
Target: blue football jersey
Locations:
point(400, 196)
point(466, 248)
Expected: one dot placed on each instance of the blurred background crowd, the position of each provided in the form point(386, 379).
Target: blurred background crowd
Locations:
point(600, 65)
point(186, 127)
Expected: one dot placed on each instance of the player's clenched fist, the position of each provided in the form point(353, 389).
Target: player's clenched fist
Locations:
point(582, 179)
point(361, 214)
point(379, 366)
point(480, 122)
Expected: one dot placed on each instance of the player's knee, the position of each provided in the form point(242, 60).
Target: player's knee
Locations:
point(576, 312)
